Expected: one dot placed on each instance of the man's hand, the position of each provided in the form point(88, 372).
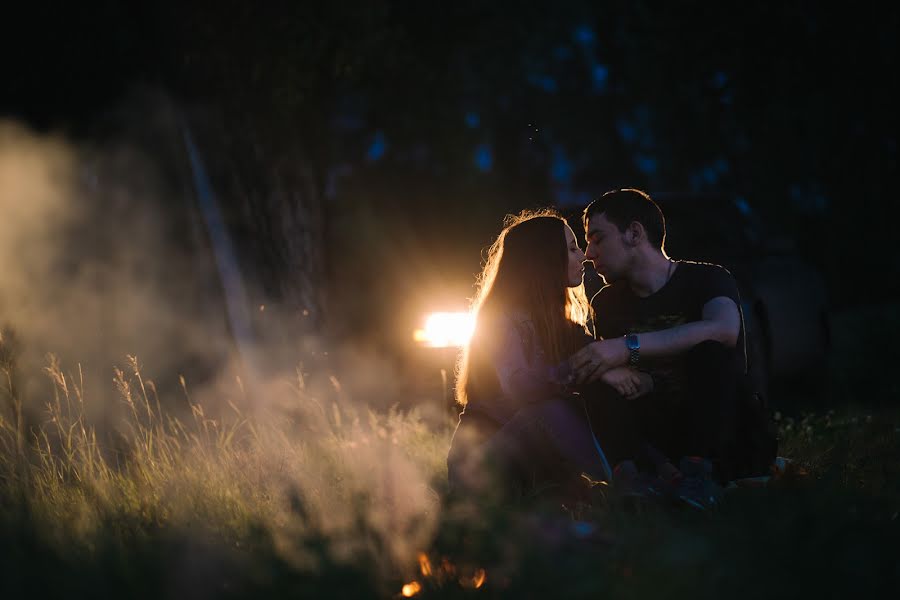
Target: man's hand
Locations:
point(595, 359)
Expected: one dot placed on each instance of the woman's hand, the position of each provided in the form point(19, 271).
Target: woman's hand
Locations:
point(628, 382)
point(646, 385)
point(623, 380)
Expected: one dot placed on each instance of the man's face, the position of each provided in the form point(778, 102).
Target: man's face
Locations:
point(607, 249)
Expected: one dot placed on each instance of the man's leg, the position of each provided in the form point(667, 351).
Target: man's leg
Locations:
point(706, 421)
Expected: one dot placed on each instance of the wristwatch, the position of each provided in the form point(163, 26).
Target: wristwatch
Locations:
point(634, 349)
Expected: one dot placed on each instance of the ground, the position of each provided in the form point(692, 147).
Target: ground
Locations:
point(331, 500)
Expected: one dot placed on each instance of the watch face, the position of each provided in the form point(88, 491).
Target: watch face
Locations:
point(631, 341)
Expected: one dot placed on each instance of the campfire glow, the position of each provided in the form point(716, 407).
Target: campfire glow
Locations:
point(411, 589)
point(424, 564)
point(445, 573)
point(446, 329)
point(479, 578)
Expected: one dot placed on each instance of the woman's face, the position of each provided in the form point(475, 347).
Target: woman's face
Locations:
point(576, 259)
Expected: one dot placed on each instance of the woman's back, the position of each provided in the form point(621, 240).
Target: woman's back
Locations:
point(511, 369)
point(530, 310)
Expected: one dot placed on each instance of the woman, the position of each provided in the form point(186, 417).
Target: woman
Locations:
point(521, 415)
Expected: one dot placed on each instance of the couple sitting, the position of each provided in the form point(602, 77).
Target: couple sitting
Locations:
point(656, 398)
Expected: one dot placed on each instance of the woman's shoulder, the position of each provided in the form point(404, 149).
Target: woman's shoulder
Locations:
point(510, 328)
point(517, 316)
point(517, 320)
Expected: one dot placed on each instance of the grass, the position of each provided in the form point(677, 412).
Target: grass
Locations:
point(274, 491)
point(318, 489)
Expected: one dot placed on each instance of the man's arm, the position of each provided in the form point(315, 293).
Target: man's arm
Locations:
point(720, 322)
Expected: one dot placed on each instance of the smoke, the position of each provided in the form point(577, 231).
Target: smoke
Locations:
point(102, 256)
point(95, 262)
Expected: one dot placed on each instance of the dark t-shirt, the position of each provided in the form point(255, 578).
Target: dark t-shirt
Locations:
point(617, 311)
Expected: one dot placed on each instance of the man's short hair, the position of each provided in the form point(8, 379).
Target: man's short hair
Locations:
point(624, 206)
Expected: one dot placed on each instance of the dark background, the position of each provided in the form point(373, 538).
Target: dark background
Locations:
point(404, 131)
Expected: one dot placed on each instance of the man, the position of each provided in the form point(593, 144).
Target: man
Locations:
point(681, 323)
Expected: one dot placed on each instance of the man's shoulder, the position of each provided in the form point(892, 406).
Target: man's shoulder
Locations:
point(707, 280)
point(607, 306)
point(609, 293)
point(699, 268)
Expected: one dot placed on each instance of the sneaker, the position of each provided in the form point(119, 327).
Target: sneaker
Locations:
point(696, 487)
point(788, 472)
point(634, 487)
point(695, 466)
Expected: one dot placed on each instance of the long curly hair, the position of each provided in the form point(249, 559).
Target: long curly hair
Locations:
point(525, 272)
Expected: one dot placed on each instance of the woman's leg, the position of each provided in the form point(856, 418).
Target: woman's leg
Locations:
point(548, 437)
point(465, 469)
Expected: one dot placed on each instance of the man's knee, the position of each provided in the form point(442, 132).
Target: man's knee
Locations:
point(713, 361)
point(713, 379)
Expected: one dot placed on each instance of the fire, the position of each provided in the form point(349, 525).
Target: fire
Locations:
point(439, 575)
point(424, 564)
point(446, 329)
point(476, 580)
point(479, 578)
point(411, 589)
point(448, 567)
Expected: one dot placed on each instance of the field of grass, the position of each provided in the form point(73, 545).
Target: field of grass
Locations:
point(317, 496)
